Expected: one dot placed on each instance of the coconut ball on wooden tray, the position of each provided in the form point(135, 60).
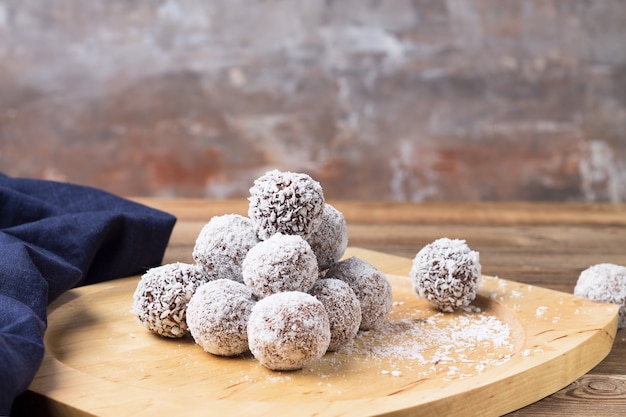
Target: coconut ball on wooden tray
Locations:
point(330, 239)
point(605, 282)
point(217, 316)
point(285, 202)
point(222, 245)
point(370, 286)
point(447, 273)
point(288, 330)
point(280, 263)
point(343, 308)
point(161, 297)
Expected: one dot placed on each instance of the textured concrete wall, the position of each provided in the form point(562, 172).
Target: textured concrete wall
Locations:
point(396, 100)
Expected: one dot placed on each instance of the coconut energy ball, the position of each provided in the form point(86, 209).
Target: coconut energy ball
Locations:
point(343, 309)
point(288, 330)
point(370, 286)
point(285, 202)
point(330, 240)
point(447, 273)
point(222, 244)
point(217, 316)
point(161, 297)
point(280, 263)
point(605, 283)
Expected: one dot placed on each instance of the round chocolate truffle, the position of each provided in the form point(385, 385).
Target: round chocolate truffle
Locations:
point(330, 240)
point(280, 263)
point(161, 297)
point(288, 330)
point(447, 273)
point(605, 283)
point(370, 286)
point(222, 244)
point(343, 308)
point(217, 316)
point(285, 202)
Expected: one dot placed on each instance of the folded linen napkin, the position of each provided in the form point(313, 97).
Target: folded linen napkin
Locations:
point(55, 236)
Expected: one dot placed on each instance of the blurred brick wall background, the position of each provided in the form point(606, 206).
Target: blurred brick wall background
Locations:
point(409, 100)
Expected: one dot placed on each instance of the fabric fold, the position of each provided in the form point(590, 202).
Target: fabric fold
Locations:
point(55, 236)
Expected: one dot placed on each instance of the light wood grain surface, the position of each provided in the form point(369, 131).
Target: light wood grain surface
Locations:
point(546, 245)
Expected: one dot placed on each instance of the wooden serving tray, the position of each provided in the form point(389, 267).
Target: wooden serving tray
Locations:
point(517, 344)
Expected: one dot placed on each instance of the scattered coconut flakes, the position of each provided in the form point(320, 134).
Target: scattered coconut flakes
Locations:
point(541, 310)
point(452, 370)
point(437, 345)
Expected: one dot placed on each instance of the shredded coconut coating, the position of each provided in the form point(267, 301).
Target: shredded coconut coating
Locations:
point(288, 330)
point(343, 309)
point(447, 273)
point(161, 297)
point(370, 286)
point(280, 263)
point(605, 283)
point(285, 202)
point(217, 316)
point(222, 245)
point(330, 240)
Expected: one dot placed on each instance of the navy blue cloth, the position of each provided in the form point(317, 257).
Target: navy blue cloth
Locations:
point(55, 236)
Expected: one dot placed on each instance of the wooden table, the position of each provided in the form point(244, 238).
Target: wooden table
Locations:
point(545, 245)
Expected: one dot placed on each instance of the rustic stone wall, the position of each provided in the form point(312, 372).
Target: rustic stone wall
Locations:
point(394, 99)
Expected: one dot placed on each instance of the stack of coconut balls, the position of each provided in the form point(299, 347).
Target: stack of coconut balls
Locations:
point(271, 283)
